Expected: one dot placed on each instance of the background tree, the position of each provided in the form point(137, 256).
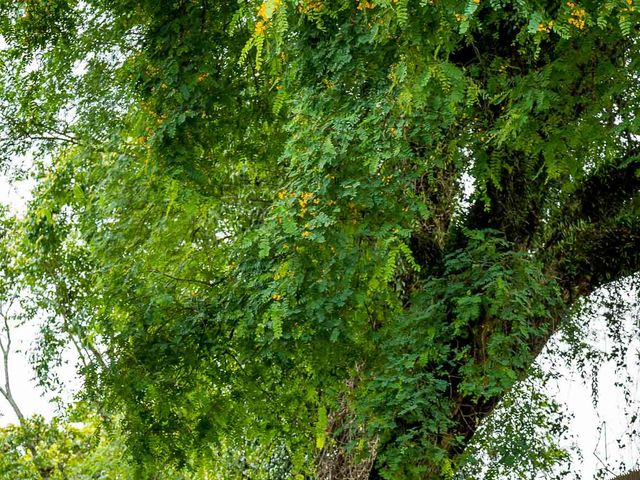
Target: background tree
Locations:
point(330, 234)
point(34, 448)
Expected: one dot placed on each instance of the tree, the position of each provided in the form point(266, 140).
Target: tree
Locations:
point(62, 451)
point(34, 448)
point(327, 234)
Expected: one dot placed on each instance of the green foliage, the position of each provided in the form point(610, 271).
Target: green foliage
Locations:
point(521, 438)
point(486, 280)
point(63, 451)
point(286, 232)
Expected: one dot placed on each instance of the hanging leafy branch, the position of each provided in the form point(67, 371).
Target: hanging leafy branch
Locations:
point(315, 231)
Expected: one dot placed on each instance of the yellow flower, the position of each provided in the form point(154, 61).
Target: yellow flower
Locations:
point(276, 297)
point(306, 234)
point(262, 11)
point(310, 6)
point(260, 28)
point(544, 28)
point(365, 5)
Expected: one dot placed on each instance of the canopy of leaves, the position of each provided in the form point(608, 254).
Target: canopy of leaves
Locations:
point(320, 236)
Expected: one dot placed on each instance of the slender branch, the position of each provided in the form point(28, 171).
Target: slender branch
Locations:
point(67, 315)
point(6, 350)
point(189, 280)
point(242, 369)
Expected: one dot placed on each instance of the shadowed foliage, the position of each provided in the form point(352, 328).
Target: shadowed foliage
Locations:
point(305, 236)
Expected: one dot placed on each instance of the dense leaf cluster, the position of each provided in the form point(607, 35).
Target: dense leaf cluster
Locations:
point(320, 235)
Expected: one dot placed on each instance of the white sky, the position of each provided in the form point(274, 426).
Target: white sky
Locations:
point(596, 431)
point(24, 390)
point(29, 397)
point(597, 447)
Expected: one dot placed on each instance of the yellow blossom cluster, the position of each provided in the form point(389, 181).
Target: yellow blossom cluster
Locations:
point(262, 12)
point(264, 15)
point(365, 5)
point(282, 272)
point(260, 27)
point(578, 14)
point(303, 201)
point(312, 6)
point(545, 27)
point(276, 297)
point(386, 179)
point(630, 7)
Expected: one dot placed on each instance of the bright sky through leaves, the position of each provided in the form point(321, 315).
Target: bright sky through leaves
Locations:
point(589, 427)
point(253, 219)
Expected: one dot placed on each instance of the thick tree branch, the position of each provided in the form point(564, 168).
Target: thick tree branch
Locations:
point(596, 238)
point(596, 241)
